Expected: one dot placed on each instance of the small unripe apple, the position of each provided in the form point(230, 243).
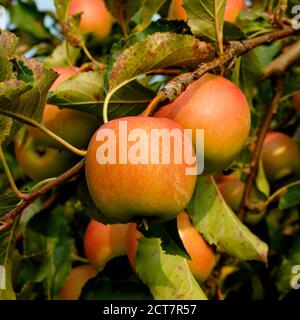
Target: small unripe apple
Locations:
point(75, 127)
point(123, 177)
point(220, 108)
point(40, 162)
point(95, 17)
point(232, 10)
point(280, 156)
point(232, 190)
point(203, 258)
point(76, 280)
point(104, 242)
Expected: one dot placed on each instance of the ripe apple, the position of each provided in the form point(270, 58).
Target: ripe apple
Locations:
point(232, 10)
point(76, 127)
point(40, 162)
point(104, 242)
point(280, 156)
point(95, 16)
point(76, 280)
point(203, 258)
point(220, 108)
point(132, 182)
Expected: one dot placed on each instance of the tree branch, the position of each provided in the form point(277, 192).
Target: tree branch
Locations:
point(290, 55)
point(233, 49)
point(74, 171)
point(245, 203)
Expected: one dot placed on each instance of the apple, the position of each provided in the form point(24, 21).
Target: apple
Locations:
point(220, 108)
point(203, 258)
point(280, 156)
point(296, 102)
point(95, 17)
point(128, 180)
point(40, 162)
point(104, 242)
point(75, 281)
point(232, 190)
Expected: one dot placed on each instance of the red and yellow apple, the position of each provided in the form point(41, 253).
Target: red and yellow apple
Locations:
point(104, 242)
point(124, 181)
point(220, 108)
point(75, 281)
point(203, 258)
point(95, 17)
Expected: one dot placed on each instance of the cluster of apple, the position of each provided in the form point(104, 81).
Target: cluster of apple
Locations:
point(105, 242)
point(126, 193)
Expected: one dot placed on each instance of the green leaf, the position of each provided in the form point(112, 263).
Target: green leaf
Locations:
point(261, 181)
point(59, 56)
point(285, 275)
point(156, 51)
point(8, 43)
point(206, 19)
point(61, 7)
point(22, 98)
point(170, 240)
point(72, 31)
point(27, 18)
point(47, 250)
point(147, 10)
point(86, 92)
point(167, 276)
point(291, 198)
point(5, 128)
point(218, 224)
point(7, 243)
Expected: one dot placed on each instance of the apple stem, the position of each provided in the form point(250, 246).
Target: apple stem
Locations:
point(278, 193)
point(152, 106)
point(34, 123)
point(10, 177)
point(93, 60)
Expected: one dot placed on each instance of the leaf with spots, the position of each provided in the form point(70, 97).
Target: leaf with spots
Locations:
point(220, 226)
point(159, 50)
point(167, 276)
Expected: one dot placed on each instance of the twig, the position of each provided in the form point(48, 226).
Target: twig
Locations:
point(74, 171)
point(10, 177)
point(290, 55)
point(245, 203)
point(277, 194)
point(233, 49)
point(34, 123)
